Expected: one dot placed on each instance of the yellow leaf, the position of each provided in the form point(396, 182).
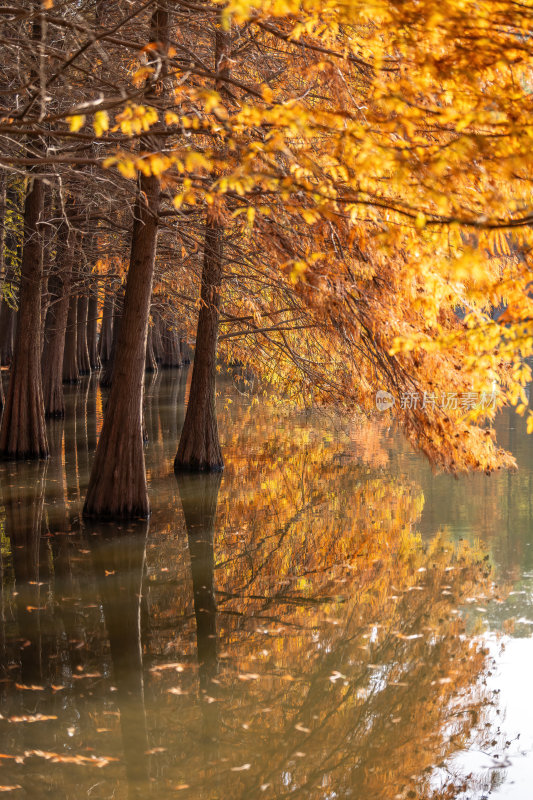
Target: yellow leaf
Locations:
point(100, 122)
point(76, 122)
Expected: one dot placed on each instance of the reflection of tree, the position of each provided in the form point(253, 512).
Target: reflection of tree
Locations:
point(23, 498)
point(345, 666)
point(118, 559)
point(334, 660)
point(199, 496)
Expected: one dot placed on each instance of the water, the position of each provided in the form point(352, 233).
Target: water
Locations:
point(327, 619)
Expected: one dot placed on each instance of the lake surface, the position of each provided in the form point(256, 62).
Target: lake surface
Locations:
point(326, 619)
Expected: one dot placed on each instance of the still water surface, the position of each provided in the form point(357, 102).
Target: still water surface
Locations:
point(327, 619)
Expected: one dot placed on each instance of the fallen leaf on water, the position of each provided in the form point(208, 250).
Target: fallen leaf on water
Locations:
point(57, 758)
point(29, 688)
point(88, 675)
point(301, 728)
point(175, 665)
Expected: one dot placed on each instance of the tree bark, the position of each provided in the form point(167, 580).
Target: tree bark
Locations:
point(84, 364)
point(23, 432)
point(117, 486)
point(92, 330)
point(10, 250)
point(171, 348)
point(71, 372)
point(157, 341)
point(199, 447)
point(106, 378)
point(7, 333)
point(151, 363)
point(56, 325)
point(106, 331)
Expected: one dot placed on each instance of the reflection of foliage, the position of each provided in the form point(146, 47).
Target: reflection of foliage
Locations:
point(343, 661)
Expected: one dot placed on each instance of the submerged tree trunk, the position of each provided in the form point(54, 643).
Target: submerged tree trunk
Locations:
point(56, 325)
point(151, 363)
point(106, 378)
point(106, 330)
point(7, 333)
point(117, 487)
point(84, 364)
point(71, 372)
point(23, 432)
point(10, 249)
point(92, 330)
point(157, 341)
point(171, 348)
point(199, 447)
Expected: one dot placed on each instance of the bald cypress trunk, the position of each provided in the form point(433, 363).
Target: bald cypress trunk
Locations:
point(7, 333)
point(106, 331)
point(157, 341)
point(171, 348)
point(10, 252)
point(117, 486)
point(71, 372)
point(23, 432)
point(151, 363)
point(56, 325)
point(199, 447)
point(84, 364)
point(106, 377)
point(92, 330)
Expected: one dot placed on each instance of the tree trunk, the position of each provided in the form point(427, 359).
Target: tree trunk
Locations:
point(56, 325)
point(106, 331)
point(117, 486)
point(10, 249)
point(23, 432)
point(92, 330)
point(7, 333)
point(84, 364)
point(70, 359)
point(151, 363)
point(171, 348)
point(199, 447)
point(157, 341)
point(106, 378)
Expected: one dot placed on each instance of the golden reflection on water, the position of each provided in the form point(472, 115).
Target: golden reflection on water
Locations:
point(282, 629)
